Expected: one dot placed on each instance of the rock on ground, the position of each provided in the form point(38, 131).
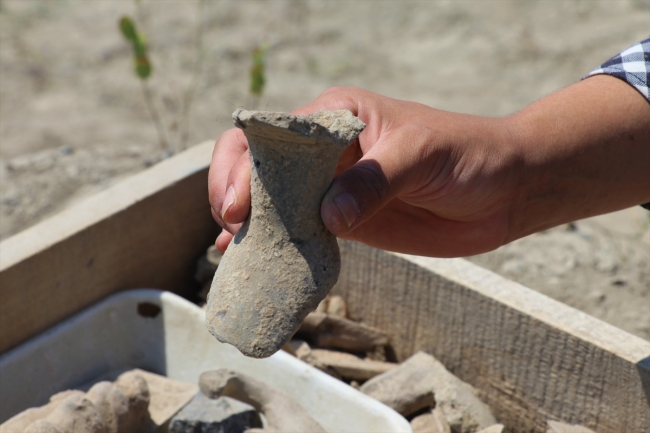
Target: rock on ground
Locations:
point(422, 380)
point(223, 415)
point(430, 422)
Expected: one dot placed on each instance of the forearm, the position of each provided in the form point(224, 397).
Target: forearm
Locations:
point(580, 152)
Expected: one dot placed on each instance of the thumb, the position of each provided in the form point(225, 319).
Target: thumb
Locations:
point(359, 192)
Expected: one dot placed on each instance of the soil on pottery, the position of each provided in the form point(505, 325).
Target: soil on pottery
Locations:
point(73, 120)
point(283, 261)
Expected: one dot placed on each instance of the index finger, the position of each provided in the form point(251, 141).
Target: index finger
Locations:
point(228, 149)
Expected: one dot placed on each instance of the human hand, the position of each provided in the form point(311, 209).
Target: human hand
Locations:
point(418, 180)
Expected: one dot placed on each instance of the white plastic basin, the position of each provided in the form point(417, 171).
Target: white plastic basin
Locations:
point(165, 334)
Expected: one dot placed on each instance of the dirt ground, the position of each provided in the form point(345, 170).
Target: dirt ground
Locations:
point(73, 119)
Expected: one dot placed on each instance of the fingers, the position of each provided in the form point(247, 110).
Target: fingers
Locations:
point(360, 191)
point(237, 201)
point(223, 240)
point(229, 152)
point(336, 98)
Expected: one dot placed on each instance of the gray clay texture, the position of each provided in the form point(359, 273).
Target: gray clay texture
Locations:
point(283, 261)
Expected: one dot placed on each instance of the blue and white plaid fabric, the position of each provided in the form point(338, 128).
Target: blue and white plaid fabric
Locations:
point(631, 65)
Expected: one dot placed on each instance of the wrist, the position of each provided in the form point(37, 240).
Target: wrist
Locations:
point(580, 152)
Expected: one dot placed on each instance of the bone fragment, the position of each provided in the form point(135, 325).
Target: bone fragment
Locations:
point(301, 350)
point(77, 414)
point(337, 307)
point(349, 366)
point(134, 416)
point(283, 261)
point(120, 407)
point(335, 332)
point(20, 422)
point(430, 422)
point(496, 428)
point(281, 411)
point(418, 381)
point(167, 396)
point(110, 402)
point(560, 427)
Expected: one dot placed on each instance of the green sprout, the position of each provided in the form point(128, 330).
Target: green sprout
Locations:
point(143, 71)
point(141, 59)
point(257, 75)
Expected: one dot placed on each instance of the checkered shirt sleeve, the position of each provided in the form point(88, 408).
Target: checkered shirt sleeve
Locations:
point(632, 66)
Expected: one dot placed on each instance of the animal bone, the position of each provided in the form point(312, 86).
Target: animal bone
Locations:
point(418, 381)
point(335, 332)
point(348, 366)
point(281, 411)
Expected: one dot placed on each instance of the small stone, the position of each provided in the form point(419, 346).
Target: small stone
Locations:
point(204, 415)
point(419, 380)
point(132, 411)
point(66, 150)
point(560, 427)
point(430, 422)
point(207, 266)
point(167, 396)
point(213, 255)
point(337, 307)
point(322, 305)
point(299, 348)
point(496, 428)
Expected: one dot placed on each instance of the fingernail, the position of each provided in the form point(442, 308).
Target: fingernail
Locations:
point(228, 201)
point(348, 207)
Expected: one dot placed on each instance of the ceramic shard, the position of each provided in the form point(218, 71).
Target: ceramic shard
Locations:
point(283, 261)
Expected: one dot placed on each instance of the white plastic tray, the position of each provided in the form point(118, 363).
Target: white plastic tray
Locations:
point(114, 335)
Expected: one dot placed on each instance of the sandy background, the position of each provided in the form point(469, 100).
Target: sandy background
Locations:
point(73, 120)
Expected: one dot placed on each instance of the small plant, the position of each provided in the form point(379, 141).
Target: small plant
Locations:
point(143, 70)
point(257, 74)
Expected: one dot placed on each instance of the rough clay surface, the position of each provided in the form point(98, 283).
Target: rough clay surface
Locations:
point(282, 412)
point(205, 415)
point(283, 261)
point(408, 388)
